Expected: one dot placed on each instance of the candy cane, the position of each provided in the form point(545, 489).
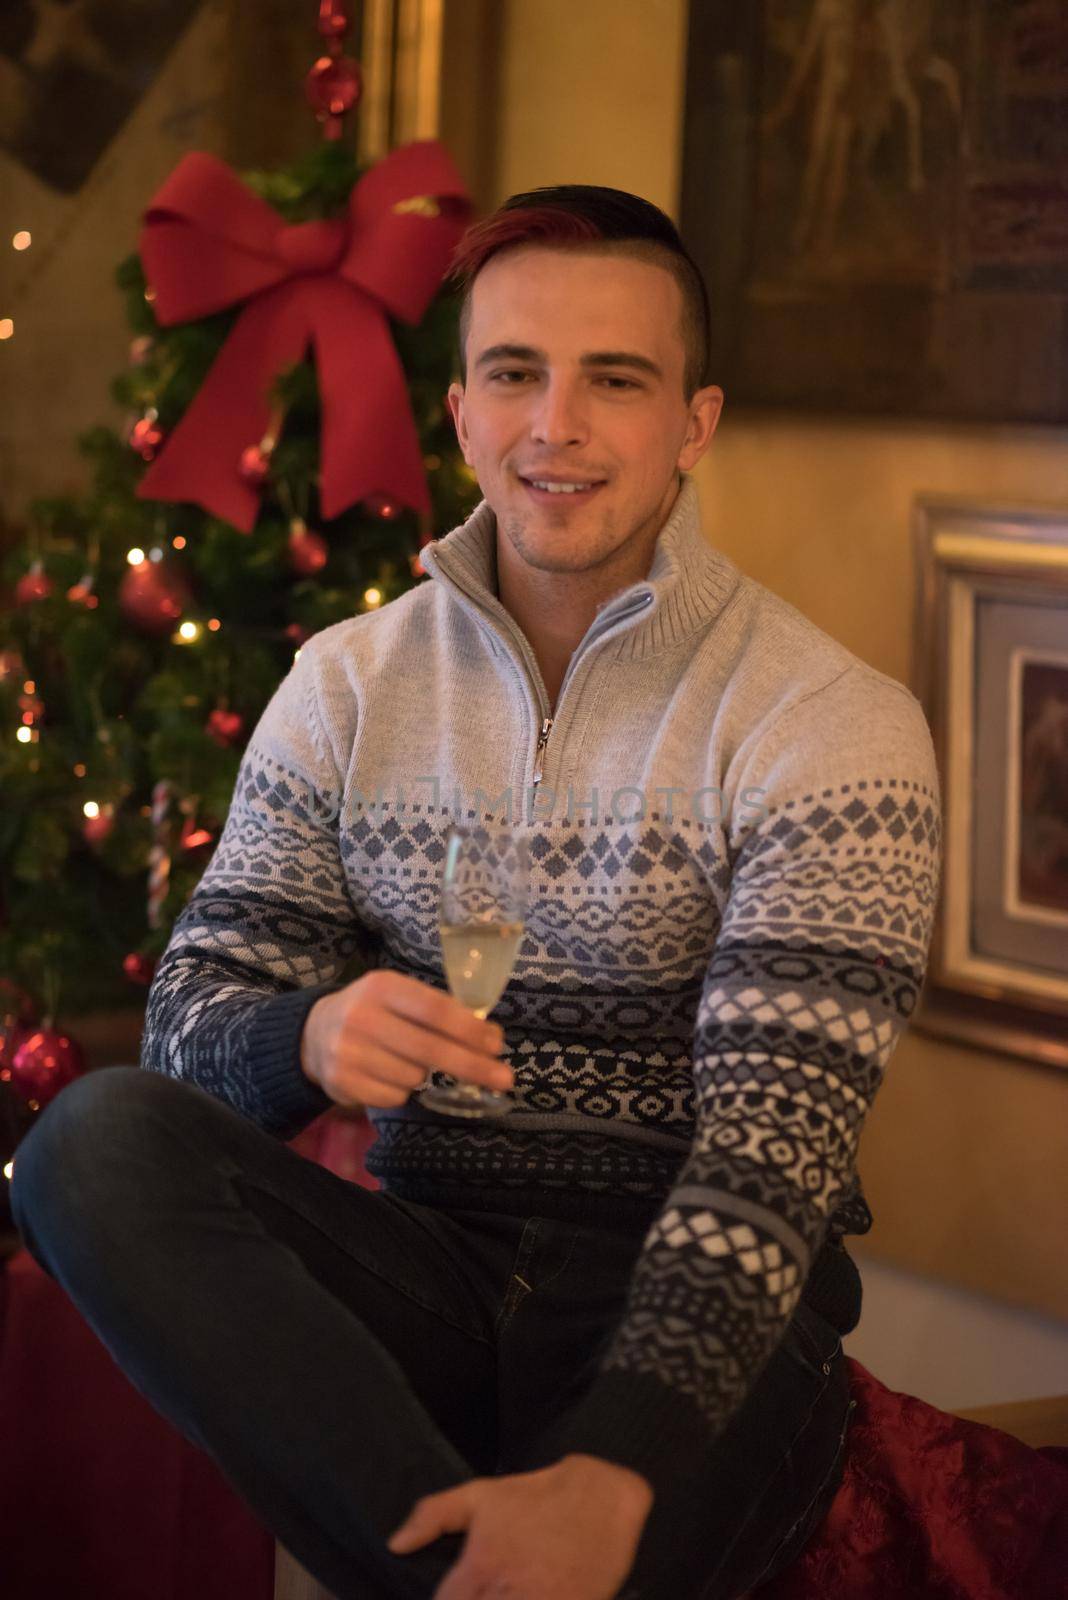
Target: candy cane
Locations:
point(159, 858)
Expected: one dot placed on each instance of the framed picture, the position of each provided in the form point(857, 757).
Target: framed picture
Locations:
point(991, 670)
point(876, 191)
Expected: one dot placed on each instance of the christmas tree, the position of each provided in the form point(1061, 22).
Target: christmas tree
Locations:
point(154, 615)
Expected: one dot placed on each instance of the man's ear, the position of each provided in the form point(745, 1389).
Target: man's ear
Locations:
point(455, 399)
point(705, 410)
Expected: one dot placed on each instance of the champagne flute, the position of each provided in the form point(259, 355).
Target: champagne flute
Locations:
point(484, 890)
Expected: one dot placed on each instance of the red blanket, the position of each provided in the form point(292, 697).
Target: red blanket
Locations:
point(935, 1508)
point(103, 1499)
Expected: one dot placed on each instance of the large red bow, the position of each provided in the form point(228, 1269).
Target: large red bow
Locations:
point(209, 243)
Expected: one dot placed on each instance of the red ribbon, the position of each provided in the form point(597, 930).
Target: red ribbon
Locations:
point(208, 243)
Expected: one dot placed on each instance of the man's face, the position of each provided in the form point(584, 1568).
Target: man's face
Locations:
point(550, 413)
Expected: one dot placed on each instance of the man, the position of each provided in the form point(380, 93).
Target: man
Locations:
point(591, 1347)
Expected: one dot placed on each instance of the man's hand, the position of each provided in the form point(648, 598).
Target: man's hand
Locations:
point(570, 1530)
point(374, 1041)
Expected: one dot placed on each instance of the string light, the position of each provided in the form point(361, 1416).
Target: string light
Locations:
point(372, 597)
point(91, 808)
point(135, 556)
point(22, 240)
point(178, 542)
point(24, 734)
point(188, 633)
point(79, 770)
point(214, 624)
point(9, 1170)
point(7, 327)
point(29, 687)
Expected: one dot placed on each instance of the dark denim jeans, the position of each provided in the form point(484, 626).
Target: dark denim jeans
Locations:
point(340, 1352)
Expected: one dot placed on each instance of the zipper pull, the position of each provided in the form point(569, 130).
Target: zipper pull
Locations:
point(539, 755)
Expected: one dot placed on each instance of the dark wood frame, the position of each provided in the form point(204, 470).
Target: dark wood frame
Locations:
point(949, 300)
point(964, 552)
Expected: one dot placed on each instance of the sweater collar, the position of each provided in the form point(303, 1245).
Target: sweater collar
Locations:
point(688, 581)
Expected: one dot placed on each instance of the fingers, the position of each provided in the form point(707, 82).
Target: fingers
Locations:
point(433, 1008)
point(434, 1514)
point(411, 1052)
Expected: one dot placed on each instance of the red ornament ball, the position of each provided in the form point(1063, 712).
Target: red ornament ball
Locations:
point(308, 551)
point(146, 437)
point(333, 23)
point(96, 829)
point(152, 596)
point(254, 466)
point(44, 1063)
point(333, 86)
point(33, 585)
point(139, 968)
point(225, 727)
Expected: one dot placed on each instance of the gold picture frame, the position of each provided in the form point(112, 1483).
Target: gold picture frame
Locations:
point(991, 671)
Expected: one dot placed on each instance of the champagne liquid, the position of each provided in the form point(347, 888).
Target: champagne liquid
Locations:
point(479, 957)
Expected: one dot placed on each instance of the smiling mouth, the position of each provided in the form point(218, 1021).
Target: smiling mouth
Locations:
point(564, 495)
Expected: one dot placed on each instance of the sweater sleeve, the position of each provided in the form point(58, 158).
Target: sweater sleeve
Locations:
point(268, 928)
point(818, 965)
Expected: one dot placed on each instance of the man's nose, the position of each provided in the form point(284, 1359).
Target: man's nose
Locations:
point(560, 415)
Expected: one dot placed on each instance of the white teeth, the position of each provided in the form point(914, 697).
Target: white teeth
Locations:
point(561, 488)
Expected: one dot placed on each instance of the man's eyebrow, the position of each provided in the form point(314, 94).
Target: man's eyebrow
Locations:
point(593, 358)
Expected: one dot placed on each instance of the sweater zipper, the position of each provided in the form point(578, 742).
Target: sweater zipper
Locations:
point(539, 754)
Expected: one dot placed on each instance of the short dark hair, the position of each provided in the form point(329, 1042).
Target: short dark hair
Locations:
point(588, 216)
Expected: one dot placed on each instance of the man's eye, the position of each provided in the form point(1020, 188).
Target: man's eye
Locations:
point(605, 378)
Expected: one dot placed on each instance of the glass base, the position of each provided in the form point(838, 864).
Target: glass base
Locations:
point(466, 1100)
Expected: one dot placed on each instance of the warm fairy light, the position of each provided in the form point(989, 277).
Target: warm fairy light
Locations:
point(9, 1170)
point(79, 770)
point(214, 624)
point(178, 541)
point(372, 597)
point(135, 556)
point(91, 808)
point(296, 655)
point(29, 687)
point(7, 327)
point(27, 716)
point(155, 554)
point(188, 631)
point(24, 734)
point(22, 240)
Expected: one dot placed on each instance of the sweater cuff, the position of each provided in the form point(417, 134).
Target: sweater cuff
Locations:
point(288, 1099)
point(637, 1421)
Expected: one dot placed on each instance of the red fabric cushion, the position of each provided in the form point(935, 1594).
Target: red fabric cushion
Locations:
point(100, 1497)
point(935, 1508)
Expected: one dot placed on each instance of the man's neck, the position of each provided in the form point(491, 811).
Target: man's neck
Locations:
point(555, 609)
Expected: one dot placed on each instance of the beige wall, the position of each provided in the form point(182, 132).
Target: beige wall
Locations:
point(965, 1156)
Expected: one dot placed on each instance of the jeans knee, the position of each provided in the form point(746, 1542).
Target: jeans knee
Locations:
point(62, 1168)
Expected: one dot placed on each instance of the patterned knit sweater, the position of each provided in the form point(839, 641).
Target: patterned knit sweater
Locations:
point(735, 852)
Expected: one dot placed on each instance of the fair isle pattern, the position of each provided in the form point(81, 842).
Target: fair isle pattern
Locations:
point(270, 914)
point(819, 965)
point(814, 974)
